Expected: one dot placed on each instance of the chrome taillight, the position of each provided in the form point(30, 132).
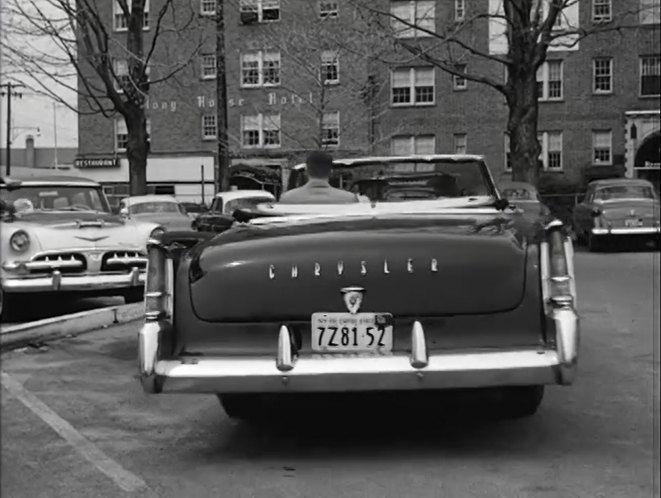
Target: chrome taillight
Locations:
point(557, 266)
point(159, 286)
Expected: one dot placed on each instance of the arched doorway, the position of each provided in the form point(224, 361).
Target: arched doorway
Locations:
point(647, 163)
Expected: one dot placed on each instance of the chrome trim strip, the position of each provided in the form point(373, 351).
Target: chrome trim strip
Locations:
point(124, 260)
point(359, 373)
point(626, 231)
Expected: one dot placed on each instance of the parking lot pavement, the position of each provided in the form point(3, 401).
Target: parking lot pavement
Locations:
point(75, 423)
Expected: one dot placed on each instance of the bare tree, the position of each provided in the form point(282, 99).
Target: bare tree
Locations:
point(524, 30)
point(69, 46)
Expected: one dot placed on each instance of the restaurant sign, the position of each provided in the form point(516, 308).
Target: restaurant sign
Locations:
point(96, 162)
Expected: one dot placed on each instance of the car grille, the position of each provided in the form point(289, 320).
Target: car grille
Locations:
point(66, 262)
point(123, 260)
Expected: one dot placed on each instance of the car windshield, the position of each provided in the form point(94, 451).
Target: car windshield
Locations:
point(624, 192)
point(245, 203)
point(519, 194)
point(155, 207)
point(409, 179)
point(45, 197)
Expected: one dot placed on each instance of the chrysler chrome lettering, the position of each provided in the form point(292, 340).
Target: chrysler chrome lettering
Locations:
point(353, 298)
point(317, 267)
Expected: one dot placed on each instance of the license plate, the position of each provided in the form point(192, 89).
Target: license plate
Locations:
point(632, 223)
point(348, 332)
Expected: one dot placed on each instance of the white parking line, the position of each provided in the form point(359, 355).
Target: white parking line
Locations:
point(124, 479)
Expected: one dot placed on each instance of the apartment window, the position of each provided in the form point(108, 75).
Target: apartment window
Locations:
point(330, 67)
point(208, 66)
point(460, 143)
point(328, 8)
point(209, 127)
point(263, 10)
point(602, 71)
point(602, 147)
point(122, 134)
point(459, 10)
point(601, 10)
point(208, 7)
point(459, 82)
point(551, 153)
point(508, 153)
point(413, 86)
point(650, 69)
point(420, 13)
point(650, 11)
point(330, 129)
point(406, 145)
point(120, 21)
point(261, 130)
point(549, 81)
point(260, 69)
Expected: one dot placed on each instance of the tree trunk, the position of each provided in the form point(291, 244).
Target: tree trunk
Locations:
point(223, 175)
point(137, 151)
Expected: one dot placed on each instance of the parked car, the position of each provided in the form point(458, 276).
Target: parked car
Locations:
point(450, 292)
point(220, 214)
point(194, 209)
point(524, 196)
point(57, 235)
point(162, 209)
point(620, 208)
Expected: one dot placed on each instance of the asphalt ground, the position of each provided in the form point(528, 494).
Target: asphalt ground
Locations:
point(75, 423)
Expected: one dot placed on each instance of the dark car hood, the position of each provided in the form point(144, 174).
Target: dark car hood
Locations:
point(409, 266)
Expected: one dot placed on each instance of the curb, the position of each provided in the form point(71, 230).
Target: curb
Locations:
point(68, 325)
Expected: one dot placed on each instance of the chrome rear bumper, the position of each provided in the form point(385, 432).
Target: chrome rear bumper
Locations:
point(627, 231)
point(285, 372)
point(57, 281)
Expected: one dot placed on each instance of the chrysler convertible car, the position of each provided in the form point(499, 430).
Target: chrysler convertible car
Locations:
point(454, 291)
point(164, 210)
point(58, 235)
point(617, 209)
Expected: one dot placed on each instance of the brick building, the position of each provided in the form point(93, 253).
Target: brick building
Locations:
point(299, 77)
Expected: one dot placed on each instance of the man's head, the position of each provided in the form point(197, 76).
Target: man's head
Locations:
point(319, 165)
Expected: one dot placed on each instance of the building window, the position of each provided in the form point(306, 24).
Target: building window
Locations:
point(209, 127)
point(459, 82)
point(328, 8)
point(508, 153)
point(208, 7)
point(260, 69)
point(420, 13)
point(261, 130)
point(459, 10)
point(122, 78)
point(208, 66)
point(602, 71)
point(330, 67)
point(260, 10)
point(122, 134)
point(330, 129)
point(460, 143)
point(551, 153)
point(407, 145)
point(650, 70)
point(602, 147)
point(412, 86)
point(120, 21)
point(650, 11)
point(549, 81)
point(601, 10)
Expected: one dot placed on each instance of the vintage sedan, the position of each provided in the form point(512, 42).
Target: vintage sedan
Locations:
point(58, 235)
point(162, 209)
point(620, 208)
point(220, 215)
point(524, 196)
point(454, 292)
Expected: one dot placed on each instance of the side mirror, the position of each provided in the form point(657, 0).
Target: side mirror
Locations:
point(124, 212)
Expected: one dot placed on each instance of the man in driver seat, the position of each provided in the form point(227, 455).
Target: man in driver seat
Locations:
point(318, 190)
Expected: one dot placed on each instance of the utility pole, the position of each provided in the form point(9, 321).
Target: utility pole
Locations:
point(221, 100)
point(10, 92)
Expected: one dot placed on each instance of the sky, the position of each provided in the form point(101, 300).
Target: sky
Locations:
point(34, 114)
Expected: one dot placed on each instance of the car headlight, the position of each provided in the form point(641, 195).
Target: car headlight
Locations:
point(20, 241)
point(156, 233)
